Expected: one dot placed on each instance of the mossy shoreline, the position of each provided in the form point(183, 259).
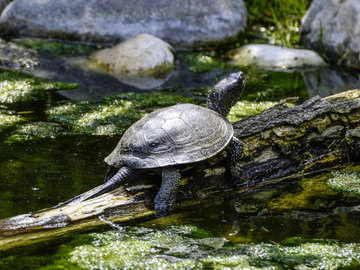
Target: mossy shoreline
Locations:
point(188, 247)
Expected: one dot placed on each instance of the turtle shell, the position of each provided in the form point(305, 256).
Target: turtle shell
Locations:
point(180, 134)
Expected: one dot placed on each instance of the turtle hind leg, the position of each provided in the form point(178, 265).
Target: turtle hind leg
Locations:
point(123, 175)
point(111, 171)
point(165, 198)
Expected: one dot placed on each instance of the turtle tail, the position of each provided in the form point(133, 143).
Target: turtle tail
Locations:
point(124, 174)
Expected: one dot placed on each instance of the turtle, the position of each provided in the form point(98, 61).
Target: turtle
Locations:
point(173, 136)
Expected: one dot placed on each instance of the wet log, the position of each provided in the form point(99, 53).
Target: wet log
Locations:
point(279, 144)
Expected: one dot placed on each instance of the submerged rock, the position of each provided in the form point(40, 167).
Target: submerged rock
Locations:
point(17, 57)
point(332, 27)
point(143, 61)
point(270, 56)
point(181, 23)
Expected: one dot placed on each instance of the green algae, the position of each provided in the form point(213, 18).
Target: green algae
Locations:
point(7, 121)
point(118, 112)
point(205, 61)
point(114, 115)
point(56, 47)
point(312, 194)
point(35, 131)
point(262, 85)
point(245, 108)
point(18, 87)
point(345, 181)
point(187, 247)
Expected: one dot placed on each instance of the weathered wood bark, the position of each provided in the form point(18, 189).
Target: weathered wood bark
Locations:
point(280, 143)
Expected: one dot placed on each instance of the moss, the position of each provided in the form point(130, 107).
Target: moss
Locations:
point(204, 61)
point(345, 181)
point(312, 194)
point(34, 131)
point(56, 48)
point(7, 121)
point(161, 71)
point(118, 112)
point(114, 115)
point(175, 248)
point(18, 87)
point(245, 108)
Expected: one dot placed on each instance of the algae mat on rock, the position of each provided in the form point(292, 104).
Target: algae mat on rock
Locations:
point(345, 181)
point(112, 116)
point(7, 121)
point(18, 87)
point(187, 247)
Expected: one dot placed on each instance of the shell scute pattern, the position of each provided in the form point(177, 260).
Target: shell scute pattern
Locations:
point(180, 134)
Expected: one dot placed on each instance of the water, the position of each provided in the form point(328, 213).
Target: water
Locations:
point(39, 174)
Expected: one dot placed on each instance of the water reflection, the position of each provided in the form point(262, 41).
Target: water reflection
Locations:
point(42, 174)
point(329, 81)
point(306, 209)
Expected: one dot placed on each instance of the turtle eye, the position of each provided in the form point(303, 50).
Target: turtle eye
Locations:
point(154, 143)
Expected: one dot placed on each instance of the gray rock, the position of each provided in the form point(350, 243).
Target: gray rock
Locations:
point(143, 61)
point(332, 27)
point(181, 23)
point(275, 57)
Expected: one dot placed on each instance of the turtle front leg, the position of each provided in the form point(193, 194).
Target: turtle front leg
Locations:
point(234, 157)
point(165, 198)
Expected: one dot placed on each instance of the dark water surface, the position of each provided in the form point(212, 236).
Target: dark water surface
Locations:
point(39, 174)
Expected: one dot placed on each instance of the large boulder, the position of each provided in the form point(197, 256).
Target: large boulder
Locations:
point(332, 27)
point(181, 23)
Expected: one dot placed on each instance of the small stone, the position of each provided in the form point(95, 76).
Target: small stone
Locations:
point(270, 56)
point(142, 57)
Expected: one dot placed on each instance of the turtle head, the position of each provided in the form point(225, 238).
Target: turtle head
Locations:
point(225, 93)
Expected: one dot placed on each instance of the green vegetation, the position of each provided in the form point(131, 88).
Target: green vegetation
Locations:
point(187, 247)
point(276, 21)
point(35, 131)
point(112, 116)
point(8, 120)
point(345, 181)
point(204, 61)
point(18, 87)
point(312, 194)
point(56, 48)
point(246, 108)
